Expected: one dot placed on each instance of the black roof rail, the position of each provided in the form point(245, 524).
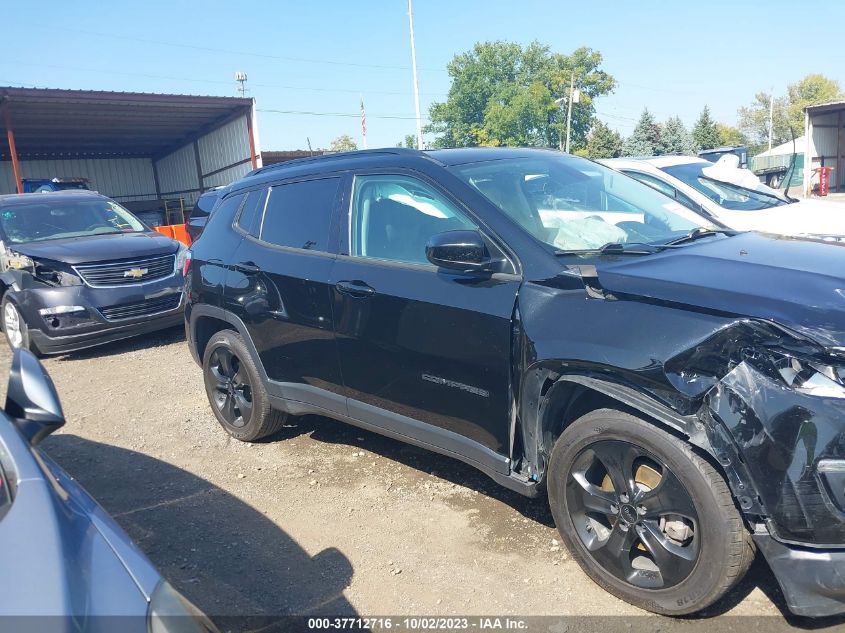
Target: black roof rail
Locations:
point(389, 151)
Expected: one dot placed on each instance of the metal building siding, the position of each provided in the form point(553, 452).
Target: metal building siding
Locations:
point(177, 172)
point(122, 178)
point(825, 140)
point(227, 175)
point(225, 146)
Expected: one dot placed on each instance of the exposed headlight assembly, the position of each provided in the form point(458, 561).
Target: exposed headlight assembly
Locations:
point(10, 260)
point(810, 377)
point(171, 612)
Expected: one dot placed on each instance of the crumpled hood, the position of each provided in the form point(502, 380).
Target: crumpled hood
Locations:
point(797, 283)
point(98, 248)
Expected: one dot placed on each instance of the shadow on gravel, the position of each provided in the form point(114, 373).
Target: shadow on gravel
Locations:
point(226, 557)
point(171, 335)
point(332, 432)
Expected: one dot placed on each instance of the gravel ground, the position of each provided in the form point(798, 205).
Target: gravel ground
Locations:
point(324, 518)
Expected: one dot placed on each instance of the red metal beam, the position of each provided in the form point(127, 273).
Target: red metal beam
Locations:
point(13, 152)
point(253, 159)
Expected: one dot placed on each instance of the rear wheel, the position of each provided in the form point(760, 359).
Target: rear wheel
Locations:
point(235, 391)
point(646, 518)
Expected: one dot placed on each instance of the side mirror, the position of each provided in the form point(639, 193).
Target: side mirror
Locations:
point(458, 250)
point(31, 398)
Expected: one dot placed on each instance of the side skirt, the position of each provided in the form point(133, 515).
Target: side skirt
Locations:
point(301, 399)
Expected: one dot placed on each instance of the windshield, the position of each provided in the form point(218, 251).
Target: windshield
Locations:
point(44, 219)
point(727, 195)
point(574, 204)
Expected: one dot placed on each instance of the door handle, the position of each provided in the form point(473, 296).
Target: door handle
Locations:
point(248, 268)
point(355, 288)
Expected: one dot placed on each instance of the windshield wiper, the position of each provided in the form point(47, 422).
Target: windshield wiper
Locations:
point(698, 233)
point(618, 248)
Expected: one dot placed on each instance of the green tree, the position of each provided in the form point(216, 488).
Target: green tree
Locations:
point(675, 137)
point(410, 140)
point(504, 94)
point(645, 139)
point(729, 135)
point(788, 112)
point(810, 90)
point(753, 120)
point(704, 133)
point(602, 142)
point(343, 143)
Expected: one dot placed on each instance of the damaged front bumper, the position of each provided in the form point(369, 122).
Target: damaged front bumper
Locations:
point(792, 447)
point(812, 580)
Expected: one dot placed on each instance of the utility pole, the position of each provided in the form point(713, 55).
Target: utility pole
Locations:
point(414, 70)
point(771, 115)
point(569, 112)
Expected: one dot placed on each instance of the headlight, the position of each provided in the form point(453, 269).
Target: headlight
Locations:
point(811, 377)
point(171, 612)
point(15, 261)
point(181, 257)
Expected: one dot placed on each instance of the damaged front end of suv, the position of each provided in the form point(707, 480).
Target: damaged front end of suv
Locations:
point(761, 394)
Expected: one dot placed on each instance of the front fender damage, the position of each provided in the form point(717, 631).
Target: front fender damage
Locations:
point(766, 437)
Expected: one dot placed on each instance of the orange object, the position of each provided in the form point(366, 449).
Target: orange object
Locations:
point(180, 232)
point(176, 231)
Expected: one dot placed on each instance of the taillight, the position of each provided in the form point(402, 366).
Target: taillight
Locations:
point(186, 264)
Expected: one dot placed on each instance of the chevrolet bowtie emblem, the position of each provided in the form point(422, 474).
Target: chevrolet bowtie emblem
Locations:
point(136, 273)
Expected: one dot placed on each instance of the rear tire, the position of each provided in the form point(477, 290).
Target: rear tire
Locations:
point(673, 542)
point(235, 391)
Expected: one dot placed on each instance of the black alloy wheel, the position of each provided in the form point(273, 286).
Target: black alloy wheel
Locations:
point(633, 515)
point(233, 384)
point(645, 515)
point(232, 389)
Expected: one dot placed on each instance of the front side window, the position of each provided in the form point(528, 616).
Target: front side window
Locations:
point(393, 218)
point(574, 204)
point(299, 214)
point(47, 219)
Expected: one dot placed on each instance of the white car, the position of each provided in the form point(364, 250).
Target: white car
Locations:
point(733, 196)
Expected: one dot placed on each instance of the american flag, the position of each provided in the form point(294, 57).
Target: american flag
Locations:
point(363, 123)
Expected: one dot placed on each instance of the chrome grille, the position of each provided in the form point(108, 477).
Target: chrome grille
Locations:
point(125, 273)
point(143, 308)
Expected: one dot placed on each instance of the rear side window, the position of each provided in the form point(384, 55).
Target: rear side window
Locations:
point(250, 218)
point(299, 214)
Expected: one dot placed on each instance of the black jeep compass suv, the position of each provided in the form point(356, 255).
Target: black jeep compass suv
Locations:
point(676, 389)
point(77, 270)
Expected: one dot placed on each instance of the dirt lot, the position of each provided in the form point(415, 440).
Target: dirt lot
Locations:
point(324, 518)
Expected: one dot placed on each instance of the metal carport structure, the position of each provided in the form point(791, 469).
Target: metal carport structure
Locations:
point(824, 126)
point(131, 146)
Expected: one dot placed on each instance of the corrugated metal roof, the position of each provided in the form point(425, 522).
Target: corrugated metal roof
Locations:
point(52, 123)
point(830, 106)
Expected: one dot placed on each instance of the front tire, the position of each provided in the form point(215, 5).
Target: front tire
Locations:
point(14, 325)
point(235, 391)
point(646, 518)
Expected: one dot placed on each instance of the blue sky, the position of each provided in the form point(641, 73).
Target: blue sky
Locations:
point(318, 56)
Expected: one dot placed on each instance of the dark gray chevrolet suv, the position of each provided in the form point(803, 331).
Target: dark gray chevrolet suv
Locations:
point(77, 270)
point(677, 389)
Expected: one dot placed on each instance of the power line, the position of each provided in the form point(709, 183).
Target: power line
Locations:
point(340, 114)
point(303, 60)
point(124, 73)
